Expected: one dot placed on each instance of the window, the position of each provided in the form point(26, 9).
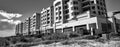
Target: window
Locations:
point(67, 11)
point(75, 8)
point(48, 14)
point(101, 3)
point(60, 17)
point(92, 2)
point(48, 18)
point(59, 12)
point(56, 13)
point(75, 13)
point(66, 16)
point(109, 26)
point(74, 2)
point(48, 22)
point(101, 8)
point(65, 7)
point(48, 11)
point(104, 5)
point(56, 9)
point(83, 0)
point(93, 7)
point(56, 18)
point(102, 13)
point(98, 7)
point(94, 12)
point(59, 8)
point(99, 12)
point(98, 2)
point(104, 26)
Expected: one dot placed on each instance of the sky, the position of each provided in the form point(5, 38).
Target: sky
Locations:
point(13, 12)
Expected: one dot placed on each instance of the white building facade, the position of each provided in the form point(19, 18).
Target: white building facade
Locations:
point(47, 19)
point(80, 15)
point(35, 23)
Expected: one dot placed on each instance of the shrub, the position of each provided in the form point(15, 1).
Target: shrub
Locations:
point(4, 42)
point(113, 34)
point(68, 42)
point(22, 45)
point(100, 40)
point(15, 40)
point(90, 37)
point(72, 35)
point(47, 42)
point(55, 36)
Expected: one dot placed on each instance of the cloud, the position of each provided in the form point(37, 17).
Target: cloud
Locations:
point(110, 14)
point(7, 22)
point(11, 21)
point(17, 21)
point(6, 26)
point(10, 15)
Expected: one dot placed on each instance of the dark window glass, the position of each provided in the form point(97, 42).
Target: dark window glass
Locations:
point(93, 7)
point(65, 7)
point(94, 12)
point(66, 16)
point(67, 11)
point(74, 2)
point(60, 17)
point(104, 26)
point(109, 26)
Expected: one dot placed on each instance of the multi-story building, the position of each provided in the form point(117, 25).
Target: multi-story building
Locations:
point(68, 16)
point(79, 15)
point(26, 26)
point(35, 23)
point(47, 19)
point(19, 29)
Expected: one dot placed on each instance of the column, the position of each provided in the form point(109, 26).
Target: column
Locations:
point(73, 28)
point(88, 28)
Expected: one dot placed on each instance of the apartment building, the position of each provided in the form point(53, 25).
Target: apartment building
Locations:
point(26, 26)
point(47, 19)
point(19, 29)
point(35, 23)
point(80, 15)
point(68, 16)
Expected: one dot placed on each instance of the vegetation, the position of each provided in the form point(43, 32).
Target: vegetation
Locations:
point(46, 38)
point(4, 42)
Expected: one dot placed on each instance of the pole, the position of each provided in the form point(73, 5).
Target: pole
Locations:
point(107, 31)
point(54, 27)
point(114, 22)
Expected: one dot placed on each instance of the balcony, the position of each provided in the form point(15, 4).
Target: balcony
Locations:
point(86, 9)
point(87, 4)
